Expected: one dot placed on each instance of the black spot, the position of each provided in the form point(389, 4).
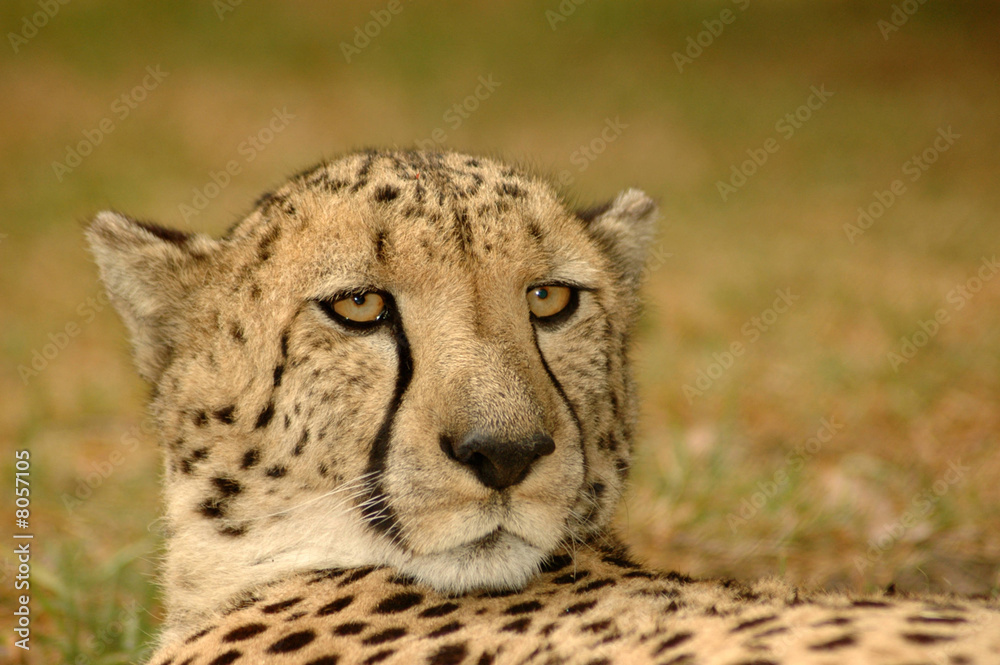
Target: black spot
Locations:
point(671, 642)
point(398, 603)
point(264, 248)
point(200, 634)
point(452, 654)
point(523, 608)
point(335, 606)
point(278, 371)
point(402, 580)
point(597, 626)
point(837, 643)
point(387, 635)
point(356, 575)
point(517, 626)
point(378, 657)
point(292, 642)
point(758, 661)
point(596, 584)
point(233, 531)
point(255, 291)
point(486, 658)
point(274, 608)
point(244, 632)
point(439, 610)
point(225, 414)
point(236, 330)
point(446, 629)
point(926, 638)
point(227, 486)
point(350, 628)
point(200, 418)
point(936, 619)
point(385, 194)
point(265, 416)
point(870, 603)
point(640, 574)
point(276, 471)
point(509, 189)
point(619, 559)
point(753, 622)
point(250, 459)
point(835, 621)
point(556, 563)
point(571, 578)
point(580, 608)
point(683, 659)
point(226, 658)
point(329, 659)
point(535, 232)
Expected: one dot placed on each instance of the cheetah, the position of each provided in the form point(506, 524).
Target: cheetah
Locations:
point(396, 416)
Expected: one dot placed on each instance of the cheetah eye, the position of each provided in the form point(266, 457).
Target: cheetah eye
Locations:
point(552, 303)
point(357, 311)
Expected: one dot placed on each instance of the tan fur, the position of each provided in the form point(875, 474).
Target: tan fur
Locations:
point(294, 444)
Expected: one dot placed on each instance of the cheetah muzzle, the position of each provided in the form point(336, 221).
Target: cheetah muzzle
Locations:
point(395, 408)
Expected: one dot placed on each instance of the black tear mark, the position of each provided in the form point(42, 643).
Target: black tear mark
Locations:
point(265, 416)
point(386, 194)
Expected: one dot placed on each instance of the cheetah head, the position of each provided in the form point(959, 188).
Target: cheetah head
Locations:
point(408, 359)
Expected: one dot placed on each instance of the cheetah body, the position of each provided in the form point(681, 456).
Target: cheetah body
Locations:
point(396, 415)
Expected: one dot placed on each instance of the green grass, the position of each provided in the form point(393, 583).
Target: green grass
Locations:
point(697, 459)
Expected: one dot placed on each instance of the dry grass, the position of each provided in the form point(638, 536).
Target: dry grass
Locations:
point(700, 461)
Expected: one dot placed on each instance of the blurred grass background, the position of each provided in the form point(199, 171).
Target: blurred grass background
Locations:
point(726, 482)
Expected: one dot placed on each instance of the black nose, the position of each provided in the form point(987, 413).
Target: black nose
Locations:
point(498, 463)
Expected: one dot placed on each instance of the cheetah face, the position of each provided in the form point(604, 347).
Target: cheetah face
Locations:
point(403, 359)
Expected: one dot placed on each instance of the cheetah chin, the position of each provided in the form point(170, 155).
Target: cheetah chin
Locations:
point(498, 561)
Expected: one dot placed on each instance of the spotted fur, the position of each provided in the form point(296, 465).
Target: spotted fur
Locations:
point(435, 486)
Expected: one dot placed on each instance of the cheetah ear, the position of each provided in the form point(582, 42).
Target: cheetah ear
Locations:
point(624, 228)
point(148, 271)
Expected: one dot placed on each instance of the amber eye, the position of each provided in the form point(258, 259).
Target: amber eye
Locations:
point(361, 308)
point(359, 311)
point(548, 301)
